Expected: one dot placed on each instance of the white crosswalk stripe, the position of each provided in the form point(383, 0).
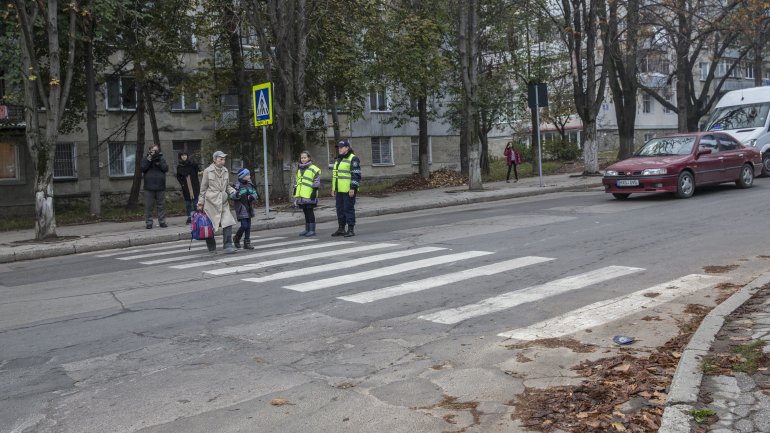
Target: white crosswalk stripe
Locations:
point(602, 312)
point(254, 242)
point(441, 280)
point(348, 263)
point(240, 257)
point(299, 259)
point(141, 249)
point(530, 294)
point(382, 272)
point(197, 248)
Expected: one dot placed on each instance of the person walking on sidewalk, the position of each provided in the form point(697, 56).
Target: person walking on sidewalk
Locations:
point(215, 190)
point(306, 190)
point(346, 179)
point(513, 158)
point(245, 196)
point(187, 174)
point(154, 168)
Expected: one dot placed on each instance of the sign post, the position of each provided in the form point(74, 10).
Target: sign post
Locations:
point(263, 115)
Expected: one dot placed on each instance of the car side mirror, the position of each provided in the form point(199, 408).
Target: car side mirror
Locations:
point(704, 151)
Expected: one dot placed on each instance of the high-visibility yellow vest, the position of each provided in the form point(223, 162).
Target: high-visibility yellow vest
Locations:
point(304, 186)
point(341, 174)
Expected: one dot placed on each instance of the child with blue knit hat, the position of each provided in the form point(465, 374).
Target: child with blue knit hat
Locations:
point(245, 196)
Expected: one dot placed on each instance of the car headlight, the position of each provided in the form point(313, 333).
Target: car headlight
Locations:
point(751, 143)
point(653, 171)
point(610, 173)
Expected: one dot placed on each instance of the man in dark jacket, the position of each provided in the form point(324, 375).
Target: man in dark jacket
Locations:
point(154, 168)
point(346, 179)
point(187, 174)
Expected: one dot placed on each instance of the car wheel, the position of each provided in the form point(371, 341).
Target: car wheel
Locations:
point(766, 164)
point(747, 177)
point(620, 196)
point(685, 186)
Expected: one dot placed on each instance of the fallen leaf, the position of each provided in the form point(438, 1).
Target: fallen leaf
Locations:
point(582, 415)
point(740, 338)
point(279, 401)
point(618, 426)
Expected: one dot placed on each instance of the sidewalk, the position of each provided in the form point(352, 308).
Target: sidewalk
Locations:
point(740, 401)
point(19, 245)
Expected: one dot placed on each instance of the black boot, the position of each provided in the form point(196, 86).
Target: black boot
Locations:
point(350, 233)
point(307, 229)
point(237, 240)
point(340, 231)
point(310, 230)
point(247, 245)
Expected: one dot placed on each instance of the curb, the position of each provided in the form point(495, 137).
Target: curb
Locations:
point(685, 386)
point(117, 241)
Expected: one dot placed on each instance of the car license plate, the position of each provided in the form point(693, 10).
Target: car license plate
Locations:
point(627, 182)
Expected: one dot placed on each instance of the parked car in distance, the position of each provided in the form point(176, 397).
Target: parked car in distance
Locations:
point(677, 163)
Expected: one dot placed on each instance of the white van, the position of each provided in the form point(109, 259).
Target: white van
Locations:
point(744, 115)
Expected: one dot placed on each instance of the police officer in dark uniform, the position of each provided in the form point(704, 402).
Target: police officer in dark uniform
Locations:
point(346, 179)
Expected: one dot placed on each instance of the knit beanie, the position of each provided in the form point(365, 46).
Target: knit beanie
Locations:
point(243, 173)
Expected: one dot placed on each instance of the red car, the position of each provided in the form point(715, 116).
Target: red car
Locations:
point(677, 163)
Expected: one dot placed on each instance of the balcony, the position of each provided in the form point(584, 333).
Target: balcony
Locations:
point(12, 116)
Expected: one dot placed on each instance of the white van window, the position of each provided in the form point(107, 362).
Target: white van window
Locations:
point(739, 117)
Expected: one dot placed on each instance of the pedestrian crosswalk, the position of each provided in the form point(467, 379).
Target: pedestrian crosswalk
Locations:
point(313, 265)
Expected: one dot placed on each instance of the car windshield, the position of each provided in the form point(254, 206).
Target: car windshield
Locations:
point(666, 146)
point(739, 117)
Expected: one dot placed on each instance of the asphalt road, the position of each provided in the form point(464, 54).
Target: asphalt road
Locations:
point(159, 339)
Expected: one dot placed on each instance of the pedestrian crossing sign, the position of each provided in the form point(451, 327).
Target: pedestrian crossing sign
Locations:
point(263, 104)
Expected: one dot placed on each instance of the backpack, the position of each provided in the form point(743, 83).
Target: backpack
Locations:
point(202, 228)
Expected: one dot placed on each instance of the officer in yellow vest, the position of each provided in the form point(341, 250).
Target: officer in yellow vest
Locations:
point(306, 190)
point(346, 179)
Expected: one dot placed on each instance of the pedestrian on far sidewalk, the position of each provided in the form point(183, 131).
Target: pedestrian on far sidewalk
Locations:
point(154, 168)
point(346, 180)
point(306, 190)
point(245, 196)
point(213, 200)
point(187, 171)
point(513, 159)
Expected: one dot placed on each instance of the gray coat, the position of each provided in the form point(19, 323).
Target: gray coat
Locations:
point(215, 189)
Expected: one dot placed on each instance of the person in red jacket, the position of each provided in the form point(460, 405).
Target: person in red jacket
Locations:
point(513, 158)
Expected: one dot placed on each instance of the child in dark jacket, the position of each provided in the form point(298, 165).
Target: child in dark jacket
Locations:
point(245, 196)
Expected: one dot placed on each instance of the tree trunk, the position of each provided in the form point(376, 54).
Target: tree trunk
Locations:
point(484, 144)
point(591, 149)
point(149, 106)
point(335, 118)
point(133, 197)
point(468, 50)
point(422, 103)
point(91, 125)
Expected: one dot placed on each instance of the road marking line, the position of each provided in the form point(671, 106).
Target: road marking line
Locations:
point(602, 312)
point(529, 294)
point(388, 270)
point(230, 259)
point(161, 253)
point(441, 280)
point(132, 250)
point(296, 259)
point(348, 263)
point(187, 257)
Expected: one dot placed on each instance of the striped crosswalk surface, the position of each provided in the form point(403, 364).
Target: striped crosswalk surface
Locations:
point(277, 258)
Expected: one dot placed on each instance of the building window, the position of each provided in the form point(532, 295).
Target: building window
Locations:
point(748, 70)
point(704, 70)
point(646, 103)
point(191, 147)
point(185, 102)
point(648, 136)
point(64, 162)
point(9, 161)
point(416, 151)
point(378, 101)
point(669, 98)
point(121, 94)
point(122, 157)
point(382, 151)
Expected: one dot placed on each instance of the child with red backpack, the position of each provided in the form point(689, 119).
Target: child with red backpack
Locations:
point(245, 196)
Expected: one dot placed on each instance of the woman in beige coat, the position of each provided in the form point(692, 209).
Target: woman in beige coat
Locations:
point(215, 189)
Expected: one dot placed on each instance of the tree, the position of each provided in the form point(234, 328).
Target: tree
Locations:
point(580, 33)
point(468, 52)
point(47, 84)
point(696, 30)
point(407, 48)
point(620, 32)
point(282, 29)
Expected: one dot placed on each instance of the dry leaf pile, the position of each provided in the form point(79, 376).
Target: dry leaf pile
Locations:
point(438, 179)
point(622, 393)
